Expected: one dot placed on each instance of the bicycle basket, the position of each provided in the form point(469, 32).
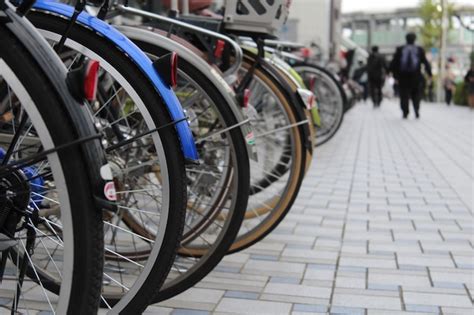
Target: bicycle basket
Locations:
point(256, 16)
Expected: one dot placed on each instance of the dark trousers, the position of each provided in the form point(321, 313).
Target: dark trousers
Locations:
point(375, 87)
point(449, 96)
point(365, 87)
point(410, 92)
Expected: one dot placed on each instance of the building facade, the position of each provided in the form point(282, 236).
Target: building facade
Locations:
point(387, 30)
point(315, 22)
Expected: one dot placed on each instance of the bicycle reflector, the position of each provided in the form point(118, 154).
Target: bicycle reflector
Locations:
point(246, 99)
point(82, 80)
point(312, 83)
point(167, 67)
point(220, 45)
point(308, 98)
point(243, 98)
point(91, 79)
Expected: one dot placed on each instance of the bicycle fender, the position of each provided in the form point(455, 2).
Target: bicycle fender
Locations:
point(144, 63)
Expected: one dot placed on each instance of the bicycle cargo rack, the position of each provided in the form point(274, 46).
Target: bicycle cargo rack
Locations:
point(256, 16)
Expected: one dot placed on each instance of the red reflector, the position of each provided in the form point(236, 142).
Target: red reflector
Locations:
point(91, 79)
point(305, 52)
point(220, 44)
point(312, 83)
point(167, 67)
point(174, 70)
point(246, 99)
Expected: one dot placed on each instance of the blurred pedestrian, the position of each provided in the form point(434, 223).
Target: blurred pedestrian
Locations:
point(449, 85)
point(376, 71)
point(406, 68)
point(360, 76)
point(469, 79)
point(430, 92)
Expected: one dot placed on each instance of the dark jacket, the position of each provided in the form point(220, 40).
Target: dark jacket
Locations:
point(395, 66)
point(376, 67)
point(469, 79)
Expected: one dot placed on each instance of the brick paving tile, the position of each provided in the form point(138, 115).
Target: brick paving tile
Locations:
point(297, 290)
point(387, 312)
point(402, 279)
point(366, 301)
point(383, 224)
point(437, 299)
point(252, 307)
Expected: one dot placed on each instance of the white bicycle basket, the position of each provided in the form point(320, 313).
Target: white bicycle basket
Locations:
point(256, 16)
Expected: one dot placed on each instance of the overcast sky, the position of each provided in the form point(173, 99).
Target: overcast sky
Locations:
point(377, 5)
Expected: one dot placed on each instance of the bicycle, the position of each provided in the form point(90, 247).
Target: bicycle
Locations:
point(79, 41)
point(298, 125)
point(42, 127)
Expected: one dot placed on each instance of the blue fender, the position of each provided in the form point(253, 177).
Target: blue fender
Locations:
point(142, 61)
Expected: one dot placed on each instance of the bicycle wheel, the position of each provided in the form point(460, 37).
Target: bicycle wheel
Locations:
point(42, 171)
point(218, 187)
point(149, 170)
point(330, 99)
point(278, 174)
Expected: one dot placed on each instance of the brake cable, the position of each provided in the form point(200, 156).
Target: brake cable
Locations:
point(6, 169)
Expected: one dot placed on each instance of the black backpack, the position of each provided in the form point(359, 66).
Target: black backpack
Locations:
point(409, 59)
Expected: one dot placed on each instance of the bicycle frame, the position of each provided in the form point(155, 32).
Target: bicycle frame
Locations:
point(141, 60)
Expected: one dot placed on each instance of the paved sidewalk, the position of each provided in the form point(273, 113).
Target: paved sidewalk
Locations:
point(383, 225)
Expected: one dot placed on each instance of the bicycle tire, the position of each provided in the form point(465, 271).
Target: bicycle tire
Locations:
point(85, 273)
point(282, 206)
point(210, 257)
point(158, 267)
point(335, 90)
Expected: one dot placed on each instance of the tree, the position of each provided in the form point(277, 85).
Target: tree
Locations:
point(431, 15)
point(434, 33)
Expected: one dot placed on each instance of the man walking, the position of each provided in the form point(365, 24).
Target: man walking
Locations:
point(406, 68)
point(376, 69)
